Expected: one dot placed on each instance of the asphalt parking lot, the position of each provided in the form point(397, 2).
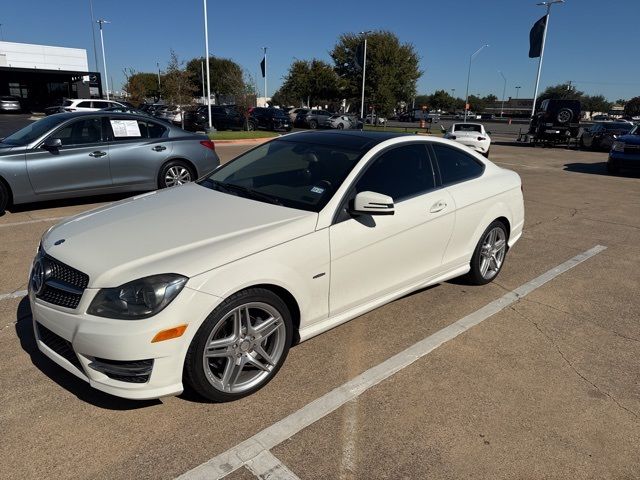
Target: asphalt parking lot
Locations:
point(546, 386)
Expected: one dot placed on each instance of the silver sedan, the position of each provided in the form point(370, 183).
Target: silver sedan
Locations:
point(81, 154)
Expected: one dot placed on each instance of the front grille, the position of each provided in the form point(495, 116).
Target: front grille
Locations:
point(632, 149)
point(59, 345)
point(63, 285)
point(131, 371)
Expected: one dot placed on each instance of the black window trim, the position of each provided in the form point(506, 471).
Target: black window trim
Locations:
point(437, 165)
point(341, 214)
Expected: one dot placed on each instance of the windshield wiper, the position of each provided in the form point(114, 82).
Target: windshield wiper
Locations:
point(249, 192)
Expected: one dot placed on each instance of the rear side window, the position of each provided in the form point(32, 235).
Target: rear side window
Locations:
point(456, 165)
point(99, 104)
point(84, 105)
point(401, 172)
point(156, 130)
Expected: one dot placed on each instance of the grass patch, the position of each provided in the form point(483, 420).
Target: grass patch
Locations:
point(241, 135)
point(435, 130)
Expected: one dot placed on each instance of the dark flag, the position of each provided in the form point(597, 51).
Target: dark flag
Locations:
point(359, 57)
point(535, 37)
point(263, 65)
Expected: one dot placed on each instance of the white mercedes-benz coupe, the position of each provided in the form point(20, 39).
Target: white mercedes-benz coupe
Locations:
point(473, 135)
point(208, 285)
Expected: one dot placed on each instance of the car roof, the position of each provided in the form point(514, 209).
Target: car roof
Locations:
point(69, 115)
point(354, 139)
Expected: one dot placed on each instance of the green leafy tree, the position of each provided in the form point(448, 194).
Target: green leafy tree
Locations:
point(140, 85)
point(632, 107)
point(392, 69)
point(621, 101)
point(595, 103)
point(226, 76)
point(477, 104)
point(563, 91)
point(309, 81)
point(442, 100)
point(177, 84)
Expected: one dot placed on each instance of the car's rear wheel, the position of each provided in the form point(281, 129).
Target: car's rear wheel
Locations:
point(176, 172)
point(489, 255)
point(240, 347)
point(313, 124)
point(341, 126)
point(251, 126)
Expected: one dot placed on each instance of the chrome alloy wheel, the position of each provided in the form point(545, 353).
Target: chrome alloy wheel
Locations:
point(492, 252)
point(244, 347)
point(177, 175)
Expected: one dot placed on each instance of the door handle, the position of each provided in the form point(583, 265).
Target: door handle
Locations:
point(97, 154)
point(159, 148)
point(438, 206)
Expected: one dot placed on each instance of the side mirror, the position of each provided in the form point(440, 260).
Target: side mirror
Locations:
point(372, 203)
point(52, 143)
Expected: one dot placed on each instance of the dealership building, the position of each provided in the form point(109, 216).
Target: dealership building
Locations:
point(43, 75)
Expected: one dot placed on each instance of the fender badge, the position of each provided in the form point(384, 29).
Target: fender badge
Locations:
point(59, 242)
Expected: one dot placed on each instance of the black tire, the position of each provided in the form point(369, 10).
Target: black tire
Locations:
point(251, 126)
point(565, 115)
point(162, 176)
point(612, 168)
point(4, 198)
point(581, 142)
point(313, 124)
point(341, 126)
point(195, 377)
point(475, 276)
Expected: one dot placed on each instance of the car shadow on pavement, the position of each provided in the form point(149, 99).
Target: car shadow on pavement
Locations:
point(80, 388)
point(598, 168)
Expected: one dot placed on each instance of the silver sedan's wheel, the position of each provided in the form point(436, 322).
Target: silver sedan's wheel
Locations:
point(240, 347)
point(177, 175)
point(494, 247)
point(489, 254)
point(244, 347)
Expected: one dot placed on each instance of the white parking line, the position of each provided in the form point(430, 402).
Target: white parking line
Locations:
point(266, 466)
point(272, 436)
point(26, 222)
point(16, 294)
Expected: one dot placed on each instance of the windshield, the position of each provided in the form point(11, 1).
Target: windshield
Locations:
point(624, 127)
point(287, 172)
point(467, 127)
point(32, 132)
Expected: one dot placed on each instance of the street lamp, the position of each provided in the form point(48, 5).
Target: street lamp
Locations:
point(159, 86)
point(504, 89)
point(104, 60)
point(206, 49)
point(466, 101)
point(364, 73)
point(517, 91)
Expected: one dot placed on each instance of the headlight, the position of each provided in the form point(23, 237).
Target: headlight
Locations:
point(618, 147)
point(141, 298)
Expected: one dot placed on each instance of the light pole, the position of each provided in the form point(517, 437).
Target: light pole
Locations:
point(159, 85)
point(504, 89)
point(466, 101)
point(517, 91)
point(2, 35)
point(544, 41)
point(93, 34)
point(206, 49)
point(264, 50)
point(364, 74)
point(104, 60)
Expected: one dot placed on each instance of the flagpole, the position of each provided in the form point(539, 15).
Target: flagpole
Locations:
point(206, 49)
point(265, 75)
point(544, 41)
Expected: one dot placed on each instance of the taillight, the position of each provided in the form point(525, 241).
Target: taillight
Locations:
point(209, 144)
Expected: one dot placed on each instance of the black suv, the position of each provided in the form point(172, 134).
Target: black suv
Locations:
point(556, 119)
point(223, 117)
point(269, 119)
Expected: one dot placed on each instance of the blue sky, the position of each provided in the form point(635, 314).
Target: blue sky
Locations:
point(586, 41)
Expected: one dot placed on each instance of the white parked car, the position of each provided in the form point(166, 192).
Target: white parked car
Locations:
point(341, 122)
point(288, 240)
point(473, 135)
point(88, 105)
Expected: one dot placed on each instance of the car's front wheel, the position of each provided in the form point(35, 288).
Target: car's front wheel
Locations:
point(240, 347)
point(488, 256)
point(4, 198)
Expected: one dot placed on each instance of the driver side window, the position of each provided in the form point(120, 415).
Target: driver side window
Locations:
point(80, 132)
point(401, 172)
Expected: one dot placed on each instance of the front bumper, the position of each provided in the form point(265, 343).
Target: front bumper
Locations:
point(625, 160)
point(97, 349)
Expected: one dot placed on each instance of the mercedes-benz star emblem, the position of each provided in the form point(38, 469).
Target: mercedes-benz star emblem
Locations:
point(39, 275)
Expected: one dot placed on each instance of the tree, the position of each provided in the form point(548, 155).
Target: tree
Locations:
point(309, 81)
point(140, 85)
point(177, 82)
point(595, 103)
point(226, 76)
point(621, 101)
point(441, 100)
point(392, 69)
point(632, 107)
point(563, 91)
point(477, 104)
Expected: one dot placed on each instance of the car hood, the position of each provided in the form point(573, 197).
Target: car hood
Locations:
point(630, 139)
point(186, 230)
